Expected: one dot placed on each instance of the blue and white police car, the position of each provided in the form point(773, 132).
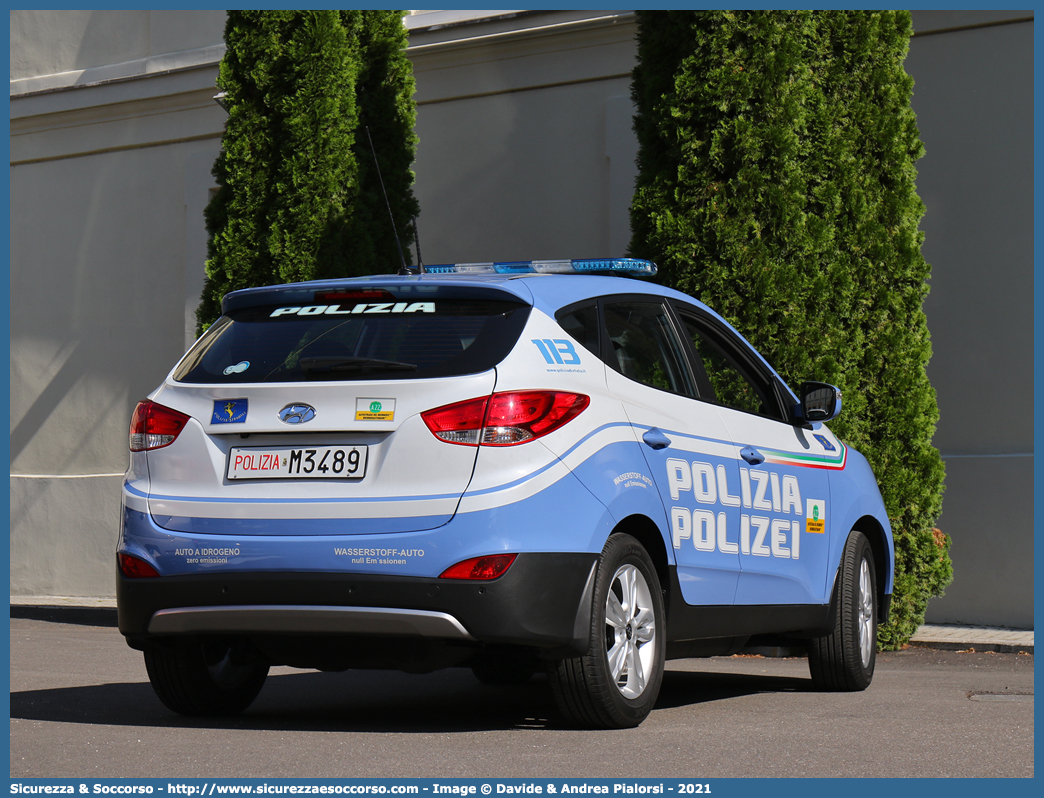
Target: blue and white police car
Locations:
point(510, 467)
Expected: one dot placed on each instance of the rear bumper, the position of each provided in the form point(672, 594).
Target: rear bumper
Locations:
point(302, 619)
point(542, 601)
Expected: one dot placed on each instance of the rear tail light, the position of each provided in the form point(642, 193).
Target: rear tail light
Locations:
point(458, 423)
point(133, 568)
point(154, 426)
point(480, 568)
point(522, 416)
point(504, 419)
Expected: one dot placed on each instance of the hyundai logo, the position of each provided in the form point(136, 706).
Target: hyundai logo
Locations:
point(296, 414)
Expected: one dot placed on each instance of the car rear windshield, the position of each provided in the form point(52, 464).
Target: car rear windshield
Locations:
point(437, 336)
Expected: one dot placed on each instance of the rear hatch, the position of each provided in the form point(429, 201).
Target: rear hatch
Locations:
point(305, 403)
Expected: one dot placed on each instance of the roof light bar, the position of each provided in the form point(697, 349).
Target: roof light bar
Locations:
point(631, 266)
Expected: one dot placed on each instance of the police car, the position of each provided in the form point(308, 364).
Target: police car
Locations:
point(510, 467)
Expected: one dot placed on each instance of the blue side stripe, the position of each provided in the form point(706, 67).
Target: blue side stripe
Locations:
point(640, 427)
point(644, 428)
point(576, 446)
point(332, 500)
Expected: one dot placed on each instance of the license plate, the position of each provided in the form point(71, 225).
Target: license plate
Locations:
point(311, 462)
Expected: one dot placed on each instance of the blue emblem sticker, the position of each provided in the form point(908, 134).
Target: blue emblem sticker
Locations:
point(826, 444)
point(229, 411)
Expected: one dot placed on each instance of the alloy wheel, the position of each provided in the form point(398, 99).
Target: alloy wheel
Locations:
point(630, 631)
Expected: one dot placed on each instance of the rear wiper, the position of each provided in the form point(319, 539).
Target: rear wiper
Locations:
point(331, 363)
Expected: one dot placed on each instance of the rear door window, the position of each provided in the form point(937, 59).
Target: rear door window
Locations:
point(581, 322)
point(644, 347)
point(444, 336)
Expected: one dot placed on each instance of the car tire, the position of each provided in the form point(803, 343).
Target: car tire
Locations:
point(844, 659)
point(204, 678)
point(615, 684)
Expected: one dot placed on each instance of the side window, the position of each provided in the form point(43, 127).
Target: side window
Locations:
point(732, 384)
point(582, 324)
point(645, 348)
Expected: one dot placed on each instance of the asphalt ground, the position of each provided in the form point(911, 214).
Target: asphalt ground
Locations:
point(81, 706)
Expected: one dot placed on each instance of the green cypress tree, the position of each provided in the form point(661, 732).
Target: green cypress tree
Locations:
point(286, 165)
point(384, 97)
point(776, 184)
point(298, 197)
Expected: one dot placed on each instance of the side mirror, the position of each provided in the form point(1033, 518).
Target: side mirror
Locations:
point(819, 401)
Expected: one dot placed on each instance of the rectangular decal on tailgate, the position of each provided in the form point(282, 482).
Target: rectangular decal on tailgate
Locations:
point(229, 411)
point(374, 409)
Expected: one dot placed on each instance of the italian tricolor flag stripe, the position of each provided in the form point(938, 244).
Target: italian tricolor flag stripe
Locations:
point(834, 463)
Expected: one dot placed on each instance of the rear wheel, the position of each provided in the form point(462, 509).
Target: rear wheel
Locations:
point(616, 683)
point(844, 659)
point(194, 677)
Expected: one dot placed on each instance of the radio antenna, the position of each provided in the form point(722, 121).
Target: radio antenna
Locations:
point(416, 241)
point(405, 269)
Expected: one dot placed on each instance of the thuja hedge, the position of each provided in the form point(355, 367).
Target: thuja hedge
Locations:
point(776, 183)
point(384, 97)
point(298, 194)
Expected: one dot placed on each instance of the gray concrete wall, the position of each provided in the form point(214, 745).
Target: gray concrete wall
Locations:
point(110, 161)
point(526, 149)
point(525, 152)
point(52, 49)
point(974, 101)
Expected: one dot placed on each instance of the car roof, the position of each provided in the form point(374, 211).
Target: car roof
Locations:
point(548, 292)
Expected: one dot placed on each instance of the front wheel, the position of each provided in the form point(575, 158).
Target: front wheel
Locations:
point(204, 678)
point(844, 659)
point(615, 685)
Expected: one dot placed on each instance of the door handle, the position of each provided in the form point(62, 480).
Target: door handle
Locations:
point(656, 439)
point(752, 455)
